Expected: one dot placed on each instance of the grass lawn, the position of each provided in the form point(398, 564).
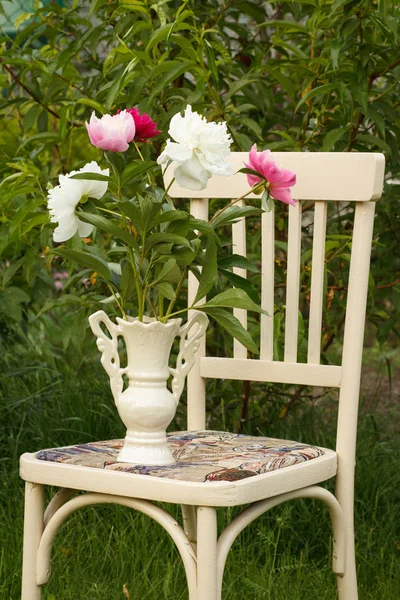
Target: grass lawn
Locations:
point(102, 551)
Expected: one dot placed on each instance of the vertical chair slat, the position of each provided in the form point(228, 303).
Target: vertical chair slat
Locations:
point(267, 284)
point(196, 388)
point(317, 283)
point(293, 283)
point(239, 247)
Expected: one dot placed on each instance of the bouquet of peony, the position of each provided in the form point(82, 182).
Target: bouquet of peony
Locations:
point(146, 246)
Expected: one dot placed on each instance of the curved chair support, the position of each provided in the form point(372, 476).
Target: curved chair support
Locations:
point(255, 510)
point(60, 498)
point(158, 514)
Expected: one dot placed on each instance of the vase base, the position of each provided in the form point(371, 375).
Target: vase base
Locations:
point(146, 454)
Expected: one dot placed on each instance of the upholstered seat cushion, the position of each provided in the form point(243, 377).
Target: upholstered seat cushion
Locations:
point(202, 456)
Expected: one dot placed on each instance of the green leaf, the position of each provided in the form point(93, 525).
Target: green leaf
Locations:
point(209, 273)
point(161, 238)
point(92, 103)
point(171, 215)
point(127, 282)
point(232, 213)
point(36, 219)
point(241, 282)
point(185, 256)
point(318, 91)
point(167, 267)
point(118, 55)
point(255, 10)
point(85, 259)
point(332, 137)
point(133, 213)
point(90, 177)
point(159, 35)
point(135, 169)
point(10, 271)
point(373, 140)
point(166, 290)
point(201, 225)
point(235, 298)
point(267, 202)
point(285, 82)
point(94, 5)
point(31, 116)
point(236, 260)
point(109, 227)
point(43, 121)
point(250, 124)
point(378, 120)
point(211, 63)
point(336, 49)
point(238, 85)
point(289, 26)
point(232, 326)
point(25, 16)
point(42, 137)
point(248, 171)
point(15, 294)
point(148, 210)
point(171, 75)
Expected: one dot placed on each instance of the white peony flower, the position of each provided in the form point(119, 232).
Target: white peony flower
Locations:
point(198, 151)
point(63, 199)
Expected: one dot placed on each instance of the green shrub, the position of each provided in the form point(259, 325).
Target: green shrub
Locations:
point(292, 76)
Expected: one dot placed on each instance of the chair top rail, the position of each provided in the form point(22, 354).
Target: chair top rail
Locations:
point(334, 176)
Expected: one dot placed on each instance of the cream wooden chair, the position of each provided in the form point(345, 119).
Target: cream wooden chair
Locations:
point(321, 177)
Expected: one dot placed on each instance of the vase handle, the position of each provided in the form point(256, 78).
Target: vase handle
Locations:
point(189, 344)
point(108, 347)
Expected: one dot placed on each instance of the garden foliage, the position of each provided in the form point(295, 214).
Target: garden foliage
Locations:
point(310, 75)
point(292, 76)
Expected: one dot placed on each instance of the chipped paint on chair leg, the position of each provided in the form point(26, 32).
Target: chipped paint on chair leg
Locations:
point(33, 528)
point(347, 583)
point(207, 588)
point(190, 524)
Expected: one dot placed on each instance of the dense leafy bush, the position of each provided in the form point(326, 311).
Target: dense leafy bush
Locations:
point(291, 75)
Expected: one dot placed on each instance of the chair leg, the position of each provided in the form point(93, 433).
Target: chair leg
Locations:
point(207, 554)
point(33, 529)
point(347, 583)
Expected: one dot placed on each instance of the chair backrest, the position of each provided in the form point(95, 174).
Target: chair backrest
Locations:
point(323, 178)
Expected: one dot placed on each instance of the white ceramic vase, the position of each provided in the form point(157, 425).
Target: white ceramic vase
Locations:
point(146, 406)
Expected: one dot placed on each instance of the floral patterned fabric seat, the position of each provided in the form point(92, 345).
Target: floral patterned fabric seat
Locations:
point(201, 456)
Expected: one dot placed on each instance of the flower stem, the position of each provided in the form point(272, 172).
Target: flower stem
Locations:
point(168, 188)
point(160, 307)
point(135, 275)
point(178, 289)
point(111, 212)
point(120, 306)
point(179, 312)
point(138, 150)
point(142, 158)
point(234, 202)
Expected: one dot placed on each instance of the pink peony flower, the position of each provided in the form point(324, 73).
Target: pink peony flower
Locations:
point(146, 128)
point(111, 132)
point(280, 180)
